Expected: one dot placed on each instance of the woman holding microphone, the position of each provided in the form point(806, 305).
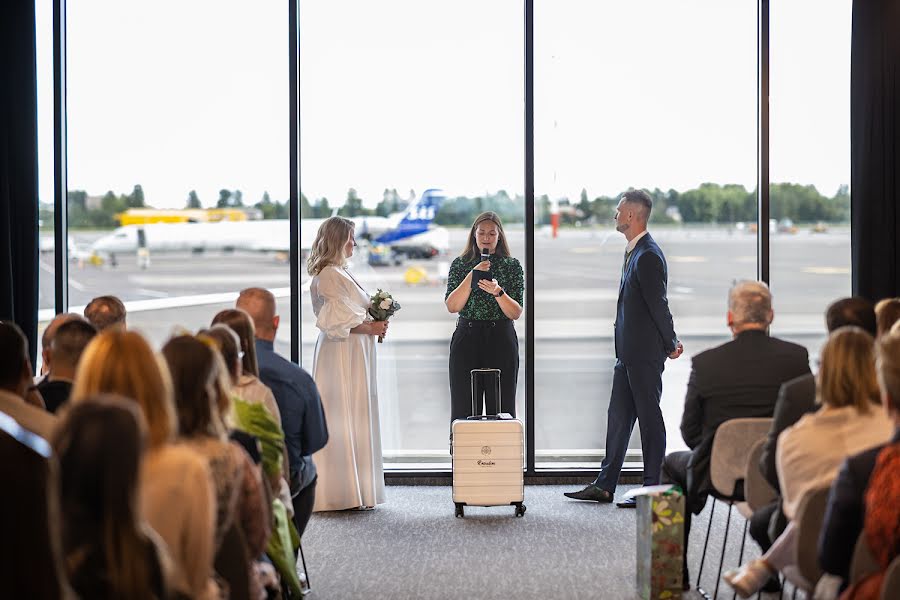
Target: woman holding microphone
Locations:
point(485, 286)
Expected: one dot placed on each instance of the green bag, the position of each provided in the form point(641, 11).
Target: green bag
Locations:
point(259, 422)
point(283, 544)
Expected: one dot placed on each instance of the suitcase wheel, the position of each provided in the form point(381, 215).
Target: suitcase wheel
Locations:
point(459, 511)
point(520, 509)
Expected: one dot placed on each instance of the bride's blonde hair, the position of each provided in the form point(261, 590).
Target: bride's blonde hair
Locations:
point(328, 248)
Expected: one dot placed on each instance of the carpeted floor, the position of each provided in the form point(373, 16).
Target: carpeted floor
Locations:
point(414, 547)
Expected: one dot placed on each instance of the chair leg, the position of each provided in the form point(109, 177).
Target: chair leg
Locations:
point(724, 547)
point(303, 562)
point(712, 510)
point(741, 555)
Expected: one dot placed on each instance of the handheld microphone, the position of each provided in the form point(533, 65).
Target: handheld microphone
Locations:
point(484, 254)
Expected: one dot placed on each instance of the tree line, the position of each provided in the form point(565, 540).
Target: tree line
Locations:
point(708, 203)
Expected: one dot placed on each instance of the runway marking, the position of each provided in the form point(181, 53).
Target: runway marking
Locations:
point(152, 293)
point(827, 270)
point(688, 259)
point(76, 285)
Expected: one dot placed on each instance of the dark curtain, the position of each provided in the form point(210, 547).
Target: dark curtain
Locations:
point(875, 148)
point(18, 168)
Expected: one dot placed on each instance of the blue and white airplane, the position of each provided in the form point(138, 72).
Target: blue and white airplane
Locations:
point(409, 231)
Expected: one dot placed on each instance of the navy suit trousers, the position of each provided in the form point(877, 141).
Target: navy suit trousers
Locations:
point(636, 391)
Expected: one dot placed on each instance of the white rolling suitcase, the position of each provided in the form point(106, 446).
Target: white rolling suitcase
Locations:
point(488, 453)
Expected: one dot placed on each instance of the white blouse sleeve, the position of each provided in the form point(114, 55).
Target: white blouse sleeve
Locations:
point(338, 314)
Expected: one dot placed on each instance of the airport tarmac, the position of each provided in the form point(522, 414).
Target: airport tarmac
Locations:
point(576, 285)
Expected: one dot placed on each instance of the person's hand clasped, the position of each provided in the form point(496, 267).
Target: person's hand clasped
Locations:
point(490, 286)
point(378, 328)
point(679, 349)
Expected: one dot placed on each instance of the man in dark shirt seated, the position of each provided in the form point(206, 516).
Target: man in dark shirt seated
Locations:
point(302, 416)
point(70, 340)
point(796, 398)
point(845, 511)
point(737, 379)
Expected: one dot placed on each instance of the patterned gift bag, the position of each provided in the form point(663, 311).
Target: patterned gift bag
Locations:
point(660, 535)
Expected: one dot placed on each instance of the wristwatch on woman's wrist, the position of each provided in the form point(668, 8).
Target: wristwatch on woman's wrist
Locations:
point(500, 293)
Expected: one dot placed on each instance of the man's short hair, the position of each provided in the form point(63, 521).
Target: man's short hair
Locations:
point(13, 355)
point(104, 312)
point(887, 367)
point(855, 310)
point(52, 326)
point(70, 340)
point(260, 304)
point(641, 198)
point(750, 302)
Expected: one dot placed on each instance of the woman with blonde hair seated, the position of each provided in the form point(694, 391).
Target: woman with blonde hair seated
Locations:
point(810, 452)
point(176, 491)
point(194, 366)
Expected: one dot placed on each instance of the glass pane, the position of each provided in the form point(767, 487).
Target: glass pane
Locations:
point(47, 256)
point(668, 106)
point(403, 98)
point(178, 157)
point(810, 166)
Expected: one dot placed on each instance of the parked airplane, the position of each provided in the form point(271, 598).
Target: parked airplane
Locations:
point(410, 230)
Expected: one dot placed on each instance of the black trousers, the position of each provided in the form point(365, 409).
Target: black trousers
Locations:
point(303, 505)
point(483, 345)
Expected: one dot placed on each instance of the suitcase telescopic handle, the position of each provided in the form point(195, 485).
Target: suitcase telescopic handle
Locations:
point(477, 372)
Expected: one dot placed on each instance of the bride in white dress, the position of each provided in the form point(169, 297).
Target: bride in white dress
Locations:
point(350, 466)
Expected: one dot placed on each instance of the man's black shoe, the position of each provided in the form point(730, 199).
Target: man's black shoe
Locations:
point(627, 503)
point(591, 492)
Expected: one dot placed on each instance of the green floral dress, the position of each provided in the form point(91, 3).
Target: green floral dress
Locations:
point(481, 306)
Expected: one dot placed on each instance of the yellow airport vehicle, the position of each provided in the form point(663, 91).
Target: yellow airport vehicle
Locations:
point(145, 216)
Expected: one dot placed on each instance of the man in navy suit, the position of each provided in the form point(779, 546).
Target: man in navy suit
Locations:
point(644, 338)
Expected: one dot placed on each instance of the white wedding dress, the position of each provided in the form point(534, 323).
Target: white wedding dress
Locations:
point(349, 467)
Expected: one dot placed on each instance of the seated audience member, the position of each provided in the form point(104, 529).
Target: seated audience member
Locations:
point(239, 490)
point(796, 398)
point(302, 415)
point(176, 489)
point(248, 417)
point(110, 552)
point(846, 507)
point(735, 380)
point(887, 312)
point(71, 338)
point(31, 564)
point(811, 451)
point(256, 424)
point(248, 386)
point(881, 527)
point(15, 380)
point(104, 312)
point(47, 339)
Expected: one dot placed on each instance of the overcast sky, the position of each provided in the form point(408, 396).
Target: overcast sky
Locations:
point(411, 94)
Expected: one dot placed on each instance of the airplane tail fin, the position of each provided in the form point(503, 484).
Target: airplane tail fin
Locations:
point(417, 218)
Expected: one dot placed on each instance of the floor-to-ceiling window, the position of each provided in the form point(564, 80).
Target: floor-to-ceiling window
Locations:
point(415, 110)
point(809, 165)
point(647, 94)
point(175, 106)
point(411, 110)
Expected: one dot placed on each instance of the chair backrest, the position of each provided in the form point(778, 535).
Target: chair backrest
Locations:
point(733, 441)
point(808, 520)
point(758, 492)
point(890, 588)
point(863, 562)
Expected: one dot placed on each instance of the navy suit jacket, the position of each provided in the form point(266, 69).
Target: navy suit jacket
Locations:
point(644, 329)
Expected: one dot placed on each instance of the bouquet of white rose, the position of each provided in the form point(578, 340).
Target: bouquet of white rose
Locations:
point(382, 306)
